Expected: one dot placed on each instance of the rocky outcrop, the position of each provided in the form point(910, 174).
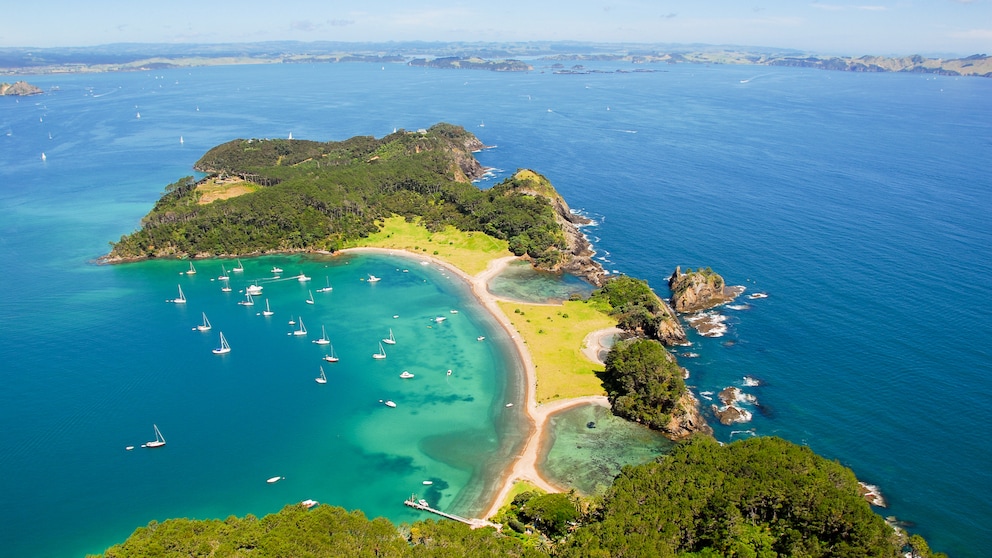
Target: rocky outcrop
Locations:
point(19, 88)
point(694, 291)
point(687, 419)
point(730, 413)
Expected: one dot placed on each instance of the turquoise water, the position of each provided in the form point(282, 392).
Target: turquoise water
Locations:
point(520, 281)
point(860, 203)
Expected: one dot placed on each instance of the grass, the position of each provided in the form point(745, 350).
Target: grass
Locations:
point(469, 251)
point(554, 335)
point(216, 189)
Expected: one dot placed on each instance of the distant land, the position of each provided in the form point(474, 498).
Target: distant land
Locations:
point(505, 57)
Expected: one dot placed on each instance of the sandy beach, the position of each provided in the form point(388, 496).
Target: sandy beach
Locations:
point(524, 466)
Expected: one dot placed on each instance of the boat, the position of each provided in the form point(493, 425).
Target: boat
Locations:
point(239, 268)
point(439, 319)
point(406, 375)
point(381, 354)
point(308, 503)
point(757, 295)
point(302, 330)
point(323, 337)
point(302, 278)
point(453, 311)
point(389, 403)
point(428, 483)
point(226, 288)
point(310, 300)
point(267, 311)
point(374, 279)
point(276, 270)
point(191, 270)
point(181, 141)
point(331, 357)
point(224, 347)
point(205, 326)
point(390, 340)
point(223, 274)
point(181, 299)
point(326, 289)
point(255, 289)
point(480, 338)
point(43, 156)
point(159, 439)
point(128, 448)
point(274, 480)
point(248, 301)
point(322, 379)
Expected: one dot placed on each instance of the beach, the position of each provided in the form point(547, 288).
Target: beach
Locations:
point(524, 466)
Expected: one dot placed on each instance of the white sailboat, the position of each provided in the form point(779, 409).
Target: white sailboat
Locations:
point(191, 270)
point(205, 326)
point(381, 354)
point(223, 274)
point(310, 300)
point(323, 337)
point(267, 311)
point(322, 379)
point(406, 375)
point(326, 289)
point(302, 330)
point(390, 340)
point(248, 301)
point(255, 289)
point(159, 439)
point(331, 357)
point(181, 299)
point(226, 288)
point(224, 347)
point(239, 268)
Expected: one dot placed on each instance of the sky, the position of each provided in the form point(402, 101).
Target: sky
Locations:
point(838, 27)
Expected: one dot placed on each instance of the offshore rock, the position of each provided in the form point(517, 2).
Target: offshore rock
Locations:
point(698, 290)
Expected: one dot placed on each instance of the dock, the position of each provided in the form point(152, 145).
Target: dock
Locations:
point(422, 505)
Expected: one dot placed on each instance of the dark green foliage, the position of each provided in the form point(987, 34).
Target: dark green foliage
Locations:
point(643, 381)
point(550, 513)
point(635, 305)
point(758, 497)
point(317, 195)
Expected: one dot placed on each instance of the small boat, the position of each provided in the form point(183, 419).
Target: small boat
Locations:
point(239, 268)
point(480, 338)
point(331, 357)
point(276, 270)
point(43, 156)
point(453, 311)
point(267, 311)
point(223, 274)
point(159, 439)
point(374, 279)
point(439, 319)
point(508, 405)
point(129, 448)
point(181, 141)
point(302, 278)
point(310, 300)
point(255, 289)
point(323, 337)
point(428, 483)
point(322, 379)
point(449, 371)
point(205, 326)
point(390, 340)
point(181, 299)
point(381, 354)
point(308, 503)
point(406, 375)
point(326, 289)
point(389, 403)
point(226, 288)
point(274, 480)
point(191, 270)
point(224, 347)
point(248, 301)
point(302, 330)
point(757, 295)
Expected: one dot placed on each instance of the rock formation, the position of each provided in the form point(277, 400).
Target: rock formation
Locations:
point(19, 88)
point(687, 419)
point(694, 291)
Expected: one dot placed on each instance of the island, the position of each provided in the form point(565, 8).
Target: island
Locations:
point(19, 88)
point(413, 189)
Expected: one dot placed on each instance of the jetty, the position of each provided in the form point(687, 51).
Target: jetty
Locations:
point(422, 505)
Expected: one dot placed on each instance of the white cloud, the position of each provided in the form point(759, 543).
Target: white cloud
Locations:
point(973, 34)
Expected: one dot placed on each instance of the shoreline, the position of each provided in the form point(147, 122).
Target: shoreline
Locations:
point(524, 465)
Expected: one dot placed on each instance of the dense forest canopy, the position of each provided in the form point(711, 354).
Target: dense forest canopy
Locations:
point(310, 195)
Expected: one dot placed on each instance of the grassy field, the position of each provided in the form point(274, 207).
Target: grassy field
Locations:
point(468, 251)
point(216, 189)
point(553, 335)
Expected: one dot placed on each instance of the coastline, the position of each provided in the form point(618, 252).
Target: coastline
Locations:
point(524, 466)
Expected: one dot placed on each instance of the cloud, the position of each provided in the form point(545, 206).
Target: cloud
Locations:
point(670, 15)
point(973, 34)
point(308, 26)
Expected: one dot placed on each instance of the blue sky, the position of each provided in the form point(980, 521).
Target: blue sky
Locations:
point(828, 27)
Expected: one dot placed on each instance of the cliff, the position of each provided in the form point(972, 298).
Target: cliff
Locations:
point(686, 419)
point(694, 291)
point(19, 88)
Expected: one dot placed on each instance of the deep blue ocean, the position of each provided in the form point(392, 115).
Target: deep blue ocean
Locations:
point(861, 203)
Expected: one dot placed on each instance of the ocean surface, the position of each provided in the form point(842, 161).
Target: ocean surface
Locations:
point(860, 203)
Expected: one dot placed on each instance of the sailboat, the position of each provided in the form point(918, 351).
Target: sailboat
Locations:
point(302, 278)
point(302, 330)
point(181, 299)
point(226, 288)
point(224, 347)
point(205, 326)
point(223, 274)
point(310, 300)
point(276, 270)
point(159, 439)
point(248, 301)
point(267, 311)
point(323, 337)
point(239, 267)
point(381, 354)
point(255, 289)
point(191, 270)
point(331, 357)
point(326, 289)
point(390, 340)
point(322, 379)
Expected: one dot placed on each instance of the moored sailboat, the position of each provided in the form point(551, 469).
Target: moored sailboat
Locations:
point(310, 300)
point(326, 289)
point(323, 337)
point(302, 330)
point(267, 311)
point(159, 439)
point(322, 379)
point(205, 326)
point(390, 340)
point(381, 354)
point(331, 357)
point(239, 268)
point(224, 347)
point(181, 299)
point(191, 270)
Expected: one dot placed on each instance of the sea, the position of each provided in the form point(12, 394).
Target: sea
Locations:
point(860, 204)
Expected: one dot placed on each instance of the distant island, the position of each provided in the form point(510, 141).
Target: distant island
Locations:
point(501, 57)
point(19, 88)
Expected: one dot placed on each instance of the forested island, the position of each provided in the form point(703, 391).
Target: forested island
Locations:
point(758, 497)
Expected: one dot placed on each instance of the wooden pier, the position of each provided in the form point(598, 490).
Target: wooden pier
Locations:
point(422, 505)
